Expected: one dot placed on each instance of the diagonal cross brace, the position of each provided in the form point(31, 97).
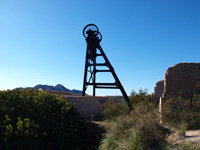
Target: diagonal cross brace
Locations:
point(91, 54)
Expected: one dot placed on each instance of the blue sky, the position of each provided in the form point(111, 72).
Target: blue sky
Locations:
point(41, 41)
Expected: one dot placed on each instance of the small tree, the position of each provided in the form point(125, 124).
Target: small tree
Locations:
point(113, 109)
point(141, 96)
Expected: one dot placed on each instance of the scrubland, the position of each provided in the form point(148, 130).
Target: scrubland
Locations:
point(32, 120)
point(141, 129)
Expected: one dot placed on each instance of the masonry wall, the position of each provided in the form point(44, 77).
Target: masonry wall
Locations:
point(181, 78)
point(88, 106)
point(158, 91)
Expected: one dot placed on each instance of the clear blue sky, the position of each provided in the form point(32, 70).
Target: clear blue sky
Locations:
point(41, 41)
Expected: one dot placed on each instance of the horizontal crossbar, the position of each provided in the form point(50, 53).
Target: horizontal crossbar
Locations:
point(103, 70)
point(101, 84)
point(107, 87)
point(100, 64)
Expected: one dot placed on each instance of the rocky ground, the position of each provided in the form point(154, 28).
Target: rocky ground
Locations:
point(191, 140)
point(193, 136)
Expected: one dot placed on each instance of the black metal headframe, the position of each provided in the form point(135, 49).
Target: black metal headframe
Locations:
point(93, 39)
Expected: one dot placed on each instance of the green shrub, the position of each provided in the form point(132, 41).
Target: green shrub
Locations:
point(180, 109)
point(30, 119)
point(141, 96)
point(182, 128)
point(136, 131)
point(134, 141)
point(113, 109)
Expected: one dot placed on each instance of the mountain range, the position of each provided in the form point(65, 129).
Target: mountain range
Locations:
point(57, 88)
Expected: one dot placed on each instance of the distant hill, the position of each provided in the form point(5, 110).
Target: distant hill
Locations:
point(57, 88)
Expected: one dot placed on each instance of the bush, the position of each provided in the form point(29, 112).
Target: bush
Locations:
point(180, 109)
point(114, 108)
point(30, 119)
point(141, 96)
point(138, 130)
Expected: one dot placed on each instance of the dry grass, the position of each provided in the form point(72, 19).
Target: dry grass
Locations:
point(138, 130)
point(105, 125)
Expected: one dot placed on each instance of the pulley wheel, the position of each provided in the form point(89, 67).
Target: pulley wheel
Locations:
point(94, 28)
point(91, 27)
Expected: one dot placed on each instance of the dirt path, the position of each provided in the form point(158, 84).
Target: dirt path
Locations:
point(192, 137)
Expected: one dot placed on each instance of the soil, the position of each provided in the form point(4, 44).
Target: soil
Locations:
point(191, 137)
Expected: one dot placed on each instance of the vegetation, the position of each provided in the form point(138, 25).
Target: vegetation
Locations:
point(141, 96)
point(114, 108)
point(182, 111)
point(116, 105)
point(141, 129)
point(137, 130)
point(30, 119)
point(183, 146)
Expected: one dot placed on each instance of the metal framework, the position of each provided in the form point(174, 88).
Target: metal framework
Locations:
point(93, 39)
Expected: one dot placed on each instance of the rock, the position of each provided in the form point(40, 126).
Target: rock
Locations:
point(158, 90)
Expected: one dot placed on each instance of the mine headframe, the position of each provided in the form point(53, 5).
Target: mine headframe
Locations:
point(93, 38)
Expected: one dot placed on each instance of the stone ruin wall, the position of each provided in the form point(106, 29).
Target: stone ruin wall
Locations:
point(88, 106)
point(180, 77)
point(158, 90)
